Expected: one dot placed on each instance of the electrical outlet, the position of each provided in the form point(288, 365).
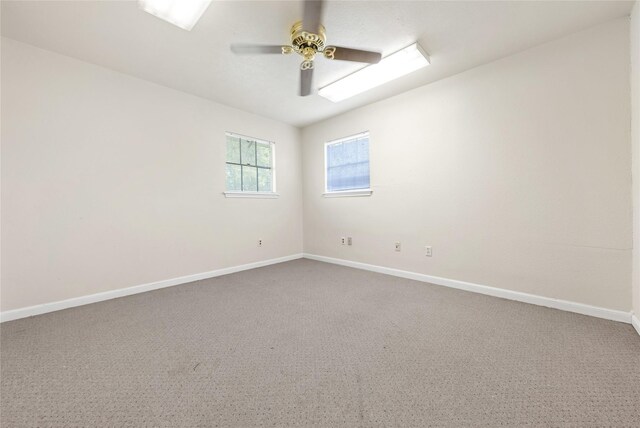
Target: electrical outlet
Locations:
point(398, 247)
point(428, 251)
point(349, 241)
point(259, 242)
point(343, 240)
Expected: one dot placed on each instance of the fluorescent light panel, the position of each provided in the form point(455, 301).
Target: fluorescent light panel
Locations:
point(389, 68)
point(182, 13)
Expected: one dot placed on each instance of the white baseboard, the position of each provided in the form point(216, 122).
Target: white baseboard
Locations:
point(112, 294)
point(635, 322)
point(565, 305)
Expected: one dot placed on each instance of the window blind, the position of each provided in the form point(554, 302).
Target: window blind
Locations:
point(348, 164)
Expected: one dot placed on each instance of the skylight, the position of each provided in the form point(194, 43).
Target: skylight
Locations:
point(182, 13)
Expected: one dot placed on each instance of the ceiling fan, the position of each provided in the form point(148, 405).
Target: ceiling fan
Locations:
point(308, 39)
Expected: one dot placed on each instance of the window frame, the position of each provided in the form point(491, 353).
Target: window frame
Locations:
point(351, 192)
point(249, 193)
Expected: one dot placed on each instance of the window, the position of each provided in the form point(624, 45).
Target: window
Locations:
point(250, 168)
point(347, 166)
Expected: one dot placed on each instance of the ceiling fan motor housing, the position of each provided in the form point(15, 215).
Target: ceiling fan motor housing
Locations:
point(305, 43)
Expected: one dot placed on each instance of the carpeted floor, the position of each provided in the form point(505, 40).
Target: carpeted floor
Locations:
point(306, 343)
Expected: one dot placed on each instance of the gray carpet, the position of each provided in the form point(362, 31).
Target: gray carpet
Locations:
point(306, 343)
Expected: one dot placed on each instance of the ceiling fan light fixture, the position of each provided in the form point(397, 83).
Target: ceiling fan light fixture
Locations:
point(181, 13)
point(391, 67)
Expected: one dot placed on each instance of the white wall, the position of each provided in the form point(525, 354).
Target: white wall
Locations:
point(518, 173)
point(109, 181)
point(635, 141)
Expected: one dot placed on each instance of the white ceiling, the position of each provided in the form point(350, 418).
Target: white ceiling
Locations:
point(457, 35)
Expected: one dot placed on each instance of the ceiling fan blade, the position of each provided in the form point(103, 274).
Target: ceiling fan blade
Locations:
point(312, 15)
point(348, 54)
point(242, 49)
point(306, 77)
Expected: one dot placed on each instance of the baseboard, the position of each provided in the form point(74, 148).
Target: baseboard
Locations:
point(635, 322)
point(565, 305)
point(112, 294)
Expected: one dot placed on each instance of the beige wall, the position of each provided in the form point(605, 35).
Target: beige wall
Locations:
point(518, 173)
point(635, 138)
point(109, 181)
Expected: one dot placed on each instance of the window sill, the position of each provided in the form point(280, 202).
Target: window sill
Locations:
point(348, 193)
point(256, 195)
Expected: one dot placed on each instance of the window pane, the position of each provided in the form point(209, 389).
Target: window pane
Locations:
point(362, 148)
point(336, 154)
point(265, 180)
point(333, 179)
point(249, 178)
point(233, 149)
point(248, 152)
point(348, 165)
point(346, 177)
point(264, 154)
point(362, 180)
point(233, 177)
